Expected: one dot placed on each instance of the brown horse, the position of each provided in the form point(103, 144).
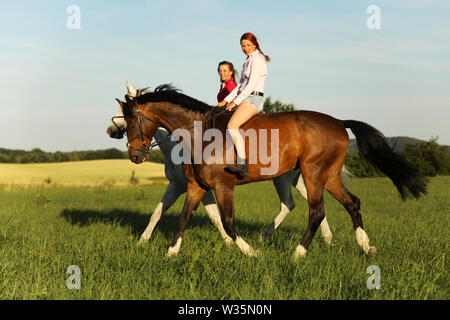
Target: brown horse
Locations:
point(314, 142)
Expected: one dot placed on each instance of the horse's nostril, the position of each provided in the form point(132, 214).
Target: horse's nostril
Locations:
point(109, 131)
point(135, 159)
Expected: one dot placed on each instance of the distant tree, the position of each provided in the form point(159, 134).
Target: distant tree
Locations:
point(4, 157)
point(59, 156)
point(359, 167)
point(156, 156)
point(113, 154)
point(276, 106)
point(429, 157)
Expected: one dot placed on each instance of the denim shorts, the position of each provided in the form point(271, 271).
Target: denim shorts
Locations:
point(257, 101)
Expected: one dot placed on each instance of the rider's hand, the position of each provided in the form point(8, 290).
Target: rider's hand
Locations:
point(222, 103)
point(231, 106)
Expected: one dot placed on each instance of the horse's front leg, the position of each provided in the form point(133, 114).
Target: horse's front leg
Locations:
point(193, 196)
point(224, 196)
point(173, 191)
point(211, 208)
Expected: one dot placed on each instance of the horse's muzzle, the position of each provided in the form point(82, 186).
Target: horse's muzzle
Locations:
point(114, 134)
point(138, 157)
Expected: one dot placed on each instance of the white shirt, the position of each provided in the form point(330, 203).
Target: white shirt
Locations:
point(253, 78)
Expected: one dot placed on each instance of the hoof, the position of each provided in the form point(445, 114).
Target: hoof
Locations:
point(328, 241)
point(228, 241)
point(371, 251)
point(263, 237)
point(256, 253)
point(171, 254)
point(300, 252)
point(142, 241)
point(268, 232)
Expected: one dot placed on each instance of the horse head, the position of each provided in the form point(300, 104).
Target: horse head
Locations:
point(140, 129)
point(118, 125)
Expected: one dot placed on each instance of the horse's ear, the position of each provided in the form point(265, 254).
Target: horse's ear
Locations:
point(121, 103)
point(131, 91)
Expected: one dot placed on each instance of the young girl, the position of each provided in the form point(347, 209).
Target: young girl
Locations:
point(227, 76)
point(248, 96)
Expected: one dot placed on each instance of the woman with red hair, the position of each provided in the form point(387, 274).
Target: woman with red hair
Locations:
point(248, 96)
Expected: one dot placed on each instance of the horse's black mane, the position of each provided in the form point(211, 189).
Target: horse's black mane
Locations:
point(167, 92)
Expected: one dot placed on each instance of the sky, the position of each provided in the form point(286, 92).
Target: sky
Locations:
point(57, 85)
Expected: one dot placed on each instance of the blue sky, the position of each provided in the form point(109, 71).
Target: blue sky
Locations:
point(58, 85)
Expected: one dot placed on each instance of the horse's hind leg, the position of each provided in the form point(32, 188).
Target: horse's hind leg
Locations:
point(173, 191)
point(316, 215)
point(299, 184)
point(352, 205)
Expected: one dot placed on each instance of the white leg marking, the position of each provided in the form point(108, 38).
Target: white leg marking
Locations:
point(301, 187)
point(173, 251)
point(363, 241)
point(246, 248)
point(157, 213)
point(214, 215)
point(300, 252)
point(326, 232)
point(284, 210)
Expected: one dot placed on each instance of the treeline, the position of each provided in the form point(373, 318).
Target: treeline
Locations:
point(37, 155)
point(428, 157)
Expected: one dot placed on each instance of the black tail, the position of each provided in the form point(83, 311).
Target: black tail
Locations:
point(374, 148)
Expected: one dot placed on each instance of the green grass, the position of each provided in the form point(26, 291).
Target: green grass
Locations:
point(45, 230)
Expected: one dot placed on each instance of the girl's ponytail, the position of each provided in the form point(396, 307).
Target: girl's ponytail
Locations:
point(251, 37)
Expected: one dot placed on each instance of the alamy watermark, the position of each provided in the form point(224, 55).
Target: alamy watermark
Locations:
point(374, 281)
point(74, 20)
point(74, 280)
point(258, 145)
point(374, 20)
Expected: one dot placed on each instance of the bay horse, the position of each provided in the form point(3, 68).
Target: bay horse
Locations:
point(178, 184)
point(314, 142)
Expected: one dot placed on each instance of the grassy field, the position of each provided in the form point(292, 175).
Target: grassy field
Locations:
point(79, 173)
point(97, 227)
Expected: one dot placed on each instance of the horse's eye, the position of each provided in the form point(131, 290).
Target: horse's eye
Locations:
point(132, 127)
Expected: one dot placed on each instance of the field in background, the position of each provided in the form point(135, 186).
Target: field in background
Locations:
point(80, 173)
point(45, 230)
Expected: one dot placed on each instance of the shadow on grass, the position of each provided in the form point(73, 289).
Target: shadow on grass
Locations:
point(138, 221)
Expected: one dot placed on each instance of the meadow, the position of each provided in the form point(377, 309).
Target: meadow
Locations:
point(78, 173)
point(84, 220)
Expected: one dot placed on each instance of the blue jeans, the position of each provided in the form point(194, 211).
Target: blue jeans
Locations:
point(257, 101)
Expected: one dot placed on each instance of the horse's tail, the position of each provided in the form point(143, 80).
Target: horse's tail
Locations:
point(374, 148)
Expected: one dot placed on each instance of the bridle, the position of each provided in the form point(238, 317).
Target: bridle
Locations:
point(140, 116)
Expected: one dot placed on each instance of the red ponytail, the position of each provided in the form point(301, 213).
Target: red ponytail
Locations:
point(251, 37)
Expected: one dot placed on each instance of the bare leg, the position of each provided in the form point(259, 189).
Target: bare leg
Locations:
point(242, 114)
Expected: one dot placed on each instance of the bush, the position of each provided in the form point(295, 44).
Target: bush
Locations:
point(429, 157)
point(276, 106)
